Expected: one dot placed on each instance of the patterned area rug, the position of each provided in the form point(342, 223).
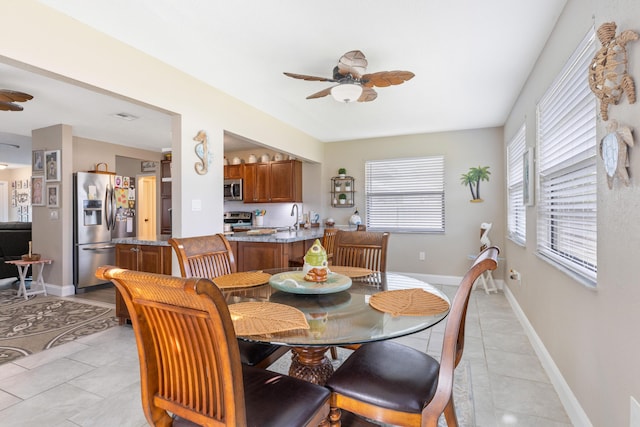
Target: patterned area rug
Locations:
point(462, 391)
point(42, 322)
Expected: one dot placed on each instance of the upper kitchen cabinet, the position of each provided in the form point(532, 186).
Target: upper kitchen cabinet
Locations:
point(273, 182)
point(234, 171)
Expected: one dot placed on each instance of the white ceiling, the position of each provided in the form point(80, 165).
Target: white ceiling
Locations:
point(470, 59)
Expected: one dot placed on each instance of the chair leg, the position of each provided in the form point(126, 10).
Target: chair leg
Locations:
point(334, 353)
point(334, 416)
point(450, 414)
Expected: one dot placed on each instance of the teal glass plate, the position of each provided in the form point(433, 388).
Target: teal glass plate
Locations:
point(293, 282)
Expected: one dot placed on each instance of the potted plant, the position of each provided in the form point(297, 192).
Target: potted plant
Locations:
point(347, 186)
point(473, 178)
point(342, 172)
point(342, 198)
point(337, 186)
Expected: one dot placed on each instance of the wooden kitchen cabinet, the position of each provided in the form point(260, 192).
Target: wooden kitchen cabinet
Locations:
point(234, 171)
point(149, 258)
point(252, 256)
point(273, 182)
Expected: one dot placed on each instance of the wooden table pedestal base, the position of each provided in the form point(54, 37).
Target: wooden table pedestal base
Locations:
point(311, 364)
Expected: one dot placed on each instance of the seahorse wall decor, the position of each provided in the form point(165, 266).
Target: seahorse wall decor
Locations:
point(608, 72)
point(202, 151)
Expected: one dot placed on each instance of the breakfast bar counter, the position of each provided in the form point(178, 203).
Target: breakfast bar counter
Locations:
point(256, 251)
point(267, 235)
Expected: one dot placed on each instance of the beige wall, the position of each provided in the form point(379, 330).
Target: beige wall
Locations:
point(446, 254)
point(590, 335)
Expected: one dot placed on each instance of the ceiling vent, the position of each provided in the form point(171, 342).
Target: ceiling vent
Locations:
point(126, 116)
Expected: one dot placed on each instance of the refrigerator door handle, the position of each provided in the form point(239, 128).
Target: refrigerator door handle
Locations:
point(99, 248)
point(108, 202)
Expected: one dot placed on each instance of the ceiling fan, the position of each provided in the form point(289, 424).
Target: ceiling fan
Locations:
point(353, 83)
point(8, 97)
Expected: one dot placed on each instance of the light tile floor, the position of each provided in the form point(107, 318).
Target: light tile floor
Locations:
point(93, 381)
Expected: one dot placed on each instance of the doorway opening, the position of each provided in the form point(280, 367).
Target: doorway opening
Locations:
point(147, 206)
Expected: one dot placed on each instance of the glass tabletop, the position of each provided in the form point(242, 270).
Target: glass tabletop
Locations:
point(343, 317)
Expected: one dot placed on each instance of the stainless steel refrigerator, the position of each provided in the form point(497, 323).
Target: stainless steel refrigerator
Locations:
point(103, 209)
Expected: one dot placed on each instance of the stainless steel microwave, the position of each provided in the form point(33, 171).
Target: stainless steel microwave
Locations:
point(233, 189)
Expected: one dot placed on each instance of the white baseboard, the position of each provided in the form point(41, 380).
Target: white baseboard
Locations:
point(574, 410)
point(60, 291)
point(447, 280)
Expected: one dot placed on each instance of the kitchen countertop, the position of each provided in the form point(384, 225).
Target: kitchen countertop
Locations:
point(279, 237)
point(159, 240)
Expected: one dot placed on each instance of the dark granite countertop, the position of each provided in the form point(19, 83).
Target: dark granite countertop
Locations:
point(279, 237)
point(159, 240)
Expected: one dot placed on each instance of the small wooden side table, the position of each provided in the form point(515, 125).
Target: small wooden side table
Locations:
point(23, 267)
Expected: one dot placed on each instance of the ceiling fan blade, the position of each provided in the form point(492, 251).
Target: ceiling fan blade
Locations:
point(310, 78)
point(8, 106)
point(354, 63)
point(368, 95)
point(386, 78)
point(323, 92)
point(13, 96)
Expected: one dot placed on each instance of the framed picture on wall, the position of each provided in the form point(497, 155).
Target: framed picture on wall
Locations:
point(528, 177)
point(148, 166)
point(37, 190)
point(53, 196)
point(37, 162)
point(52, 165)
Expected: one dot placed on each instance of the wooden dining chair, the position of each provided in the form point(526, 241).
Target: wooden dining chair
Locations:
point(211, 256)
point(190, 368)
point(365, 249)
point(416, 391)
point(204, 256)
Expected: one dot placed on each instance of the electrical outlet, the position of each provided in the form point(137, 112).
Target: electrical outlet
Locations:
point(514, 274)
point(421, 256)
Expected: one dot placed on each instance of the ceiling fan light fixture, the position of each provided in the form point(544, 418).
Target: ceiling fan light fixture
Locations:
point(346, 92)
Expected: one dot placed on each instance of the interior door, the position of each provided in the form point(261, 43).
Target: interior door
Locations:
point(146, 205)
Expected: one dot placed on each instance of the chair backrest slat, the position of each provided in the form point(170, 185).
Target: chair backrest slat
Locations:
point(328, 241)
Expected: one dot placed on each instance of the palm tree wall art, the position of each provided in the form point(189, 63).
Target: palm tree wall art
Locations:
point(472, 178)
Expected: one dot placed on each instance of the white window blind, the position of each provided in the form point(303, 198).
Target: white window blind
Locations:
point(516, 210)
point(567, 233)
point(405, 195)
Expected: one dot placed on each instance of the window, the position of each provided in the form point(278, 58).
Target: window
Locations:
point(405, 195)
point(516, 210)
point(567, 203)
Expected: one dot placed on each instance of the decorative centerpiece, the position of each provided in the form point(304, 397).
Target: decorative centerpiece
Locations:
point(316, 266)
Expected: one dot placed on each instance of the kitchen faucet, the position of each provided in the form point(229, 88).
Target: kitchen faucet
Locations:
point(296, 226)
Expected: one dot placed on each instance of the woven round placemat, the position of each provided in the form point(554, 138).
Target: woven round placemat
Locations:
point(350, 271)
point(242, 280)
point(408, 302)
point(260, 318)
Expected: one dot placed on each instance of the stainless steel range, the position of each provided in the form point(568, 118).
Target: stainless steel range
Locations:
point(238, 218)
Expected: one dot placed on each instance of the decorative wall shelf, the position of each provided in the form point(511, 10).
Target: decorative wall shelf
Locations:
point(342, 186)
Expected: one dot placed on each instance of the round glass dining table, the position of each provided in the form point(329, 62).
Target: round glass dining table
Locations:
point(342, 318)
